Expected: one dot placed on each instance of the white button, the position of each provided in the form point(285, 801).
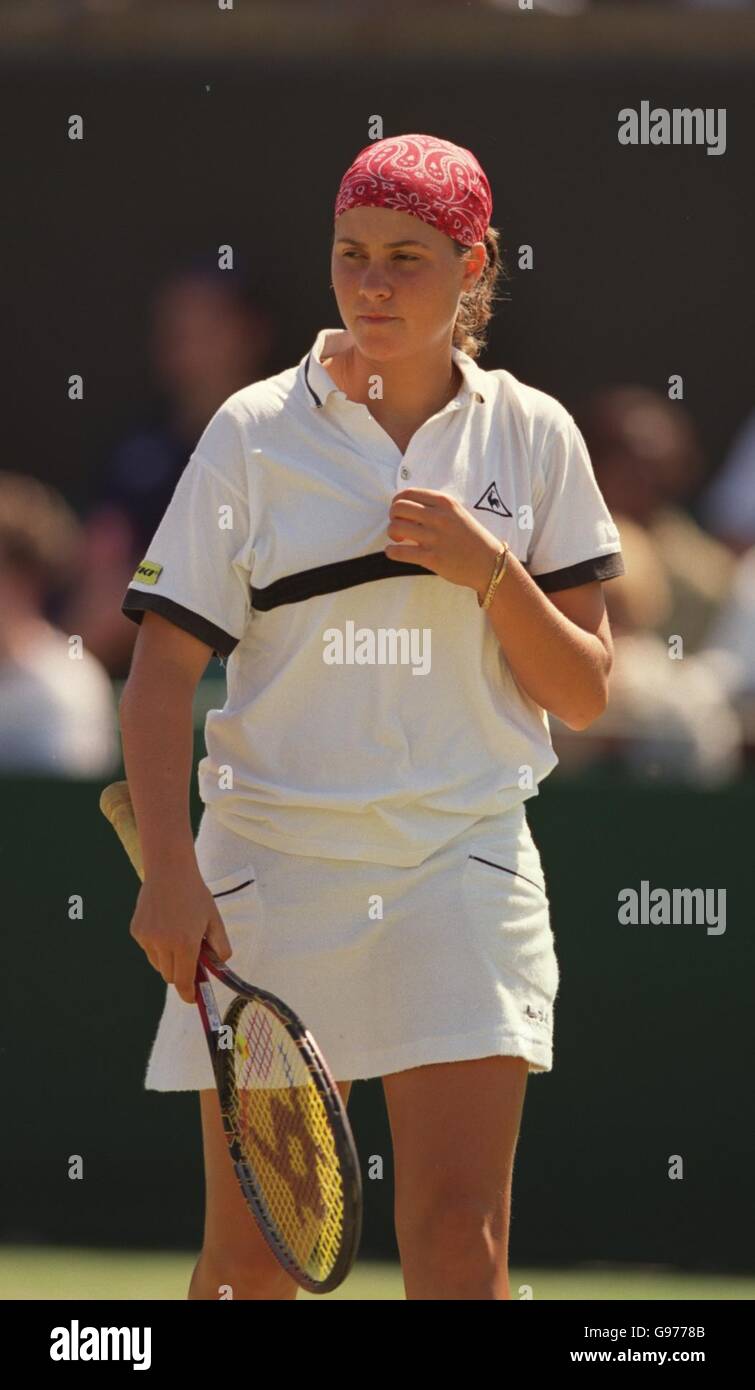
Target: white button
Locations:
point(405, 472)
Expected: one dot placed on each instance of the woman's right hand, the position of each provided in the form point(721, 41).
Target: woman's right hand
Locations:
point(174, 912)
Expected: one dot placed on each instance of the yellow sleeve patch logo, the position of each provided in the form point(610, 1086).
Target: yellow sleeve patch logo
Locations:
point(147, 573)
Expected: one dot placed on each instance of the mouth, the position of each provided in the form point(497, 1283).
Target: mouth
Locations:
point(377, 318)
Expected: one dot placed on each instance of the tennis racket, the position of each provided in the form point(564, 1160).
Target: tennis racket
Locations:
point(288, 1132)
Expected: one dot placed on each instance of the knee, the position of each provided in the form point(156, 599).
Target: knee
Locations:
point(455, 1230)
point(232, 1274)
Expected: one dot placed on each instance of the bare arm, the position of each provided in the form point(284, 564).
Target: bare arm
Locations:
point(156, 720)
point(558, 645)
point(174, 909)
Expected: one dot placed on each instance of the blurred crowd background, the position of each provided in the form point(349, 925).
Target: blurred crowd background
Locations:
point(683, 616)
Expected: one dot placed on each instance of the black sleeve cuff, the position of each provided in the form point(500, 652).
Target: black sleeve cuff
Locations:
point(136, 603)
point(602, 567)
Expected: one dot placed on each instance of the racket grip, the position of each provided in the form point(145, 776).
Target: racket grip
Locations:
point(115, 804)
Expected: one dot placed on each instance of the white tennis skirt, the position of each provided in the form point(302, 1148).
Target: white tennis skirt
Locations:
point(388, 967)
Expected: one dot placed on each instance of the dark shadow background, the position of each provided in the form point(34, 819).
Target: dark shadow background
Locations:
point(643, 255)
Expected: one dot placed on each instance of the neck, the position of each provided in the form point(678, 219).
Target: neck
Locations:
point(413, 388)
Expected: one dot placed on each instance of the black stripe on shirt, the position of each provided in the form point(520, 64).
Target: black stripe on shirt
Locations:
point(602, 567)
point(136, 603)
point(327, 579)
point(342, 574)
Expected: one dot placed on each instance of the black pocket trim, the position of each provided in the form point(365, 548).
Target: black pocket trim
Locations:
point(504, 870)
point(235, 888)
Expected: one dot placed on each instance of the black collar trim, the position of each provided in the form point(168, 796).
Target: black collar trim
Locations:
point(312, 393)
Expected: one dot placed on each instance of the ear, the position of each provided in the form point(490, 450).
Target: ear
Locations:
point(474, 264)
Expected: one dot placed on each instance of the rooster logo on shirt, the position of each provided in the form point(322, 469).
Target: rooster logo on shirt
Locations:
point(491, 502)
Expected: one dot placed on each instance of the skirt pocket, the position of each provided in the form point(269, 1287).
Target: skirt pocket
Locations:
point(513, 873)
point(231, 884)
point(507, 915)
point(240, 905)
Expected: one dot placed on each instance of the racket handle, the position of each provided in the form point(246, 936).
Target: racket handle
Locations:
point(115, 804)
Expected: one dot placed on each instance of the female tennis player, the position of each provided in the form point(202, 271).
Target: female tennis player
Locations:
point(400, 555)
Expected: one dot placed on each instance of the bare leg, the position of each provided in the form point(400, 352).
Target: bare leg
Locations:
point(455, 1127)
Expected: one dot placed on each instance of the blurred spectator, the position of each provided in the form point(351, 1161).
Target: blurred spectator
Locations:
point(730, 648)
point(648, 462)
point(728, 505)
point(734, 631)
point(210, 336)
point(57, 709)
point(667, 719)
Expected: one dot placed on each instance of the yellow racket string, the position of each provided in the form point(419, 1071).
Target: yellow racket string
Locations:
point(283, 1127)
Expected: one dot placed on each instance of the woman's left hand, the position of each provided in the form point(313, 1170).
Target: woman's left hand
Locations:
point(448, 539)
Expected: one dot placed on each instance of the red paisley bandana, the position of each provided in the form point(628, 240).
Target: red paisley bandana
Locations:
point(440, 183)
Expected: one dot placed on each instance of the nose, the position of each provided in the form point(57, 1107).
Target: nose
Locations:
point(374, 283)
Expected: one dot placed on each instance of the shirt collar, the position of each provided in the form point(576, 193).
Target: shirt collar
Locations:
point(318, 382)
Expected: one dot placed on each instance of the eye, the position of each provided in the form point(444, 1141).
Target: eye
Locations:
point(399, 256)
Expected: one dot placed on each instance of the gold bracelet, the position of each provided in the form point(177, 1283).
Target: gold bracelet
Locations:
point(499, 570)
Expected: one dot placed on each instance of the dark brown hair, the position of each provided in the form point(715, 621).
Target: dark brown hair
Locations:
point(476, 309)
point(40, 534)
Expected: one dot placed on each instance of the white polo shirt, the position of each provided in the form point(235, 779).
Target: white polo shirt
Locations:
point(370, 711)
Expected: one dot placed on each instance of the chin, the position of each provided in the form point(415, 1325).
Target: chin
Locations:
point(362, 325)
point(379, 339)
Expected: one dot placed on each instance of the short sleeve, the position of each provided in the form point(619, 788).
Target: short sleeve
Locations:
point(198, 565)
point(574, 539)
